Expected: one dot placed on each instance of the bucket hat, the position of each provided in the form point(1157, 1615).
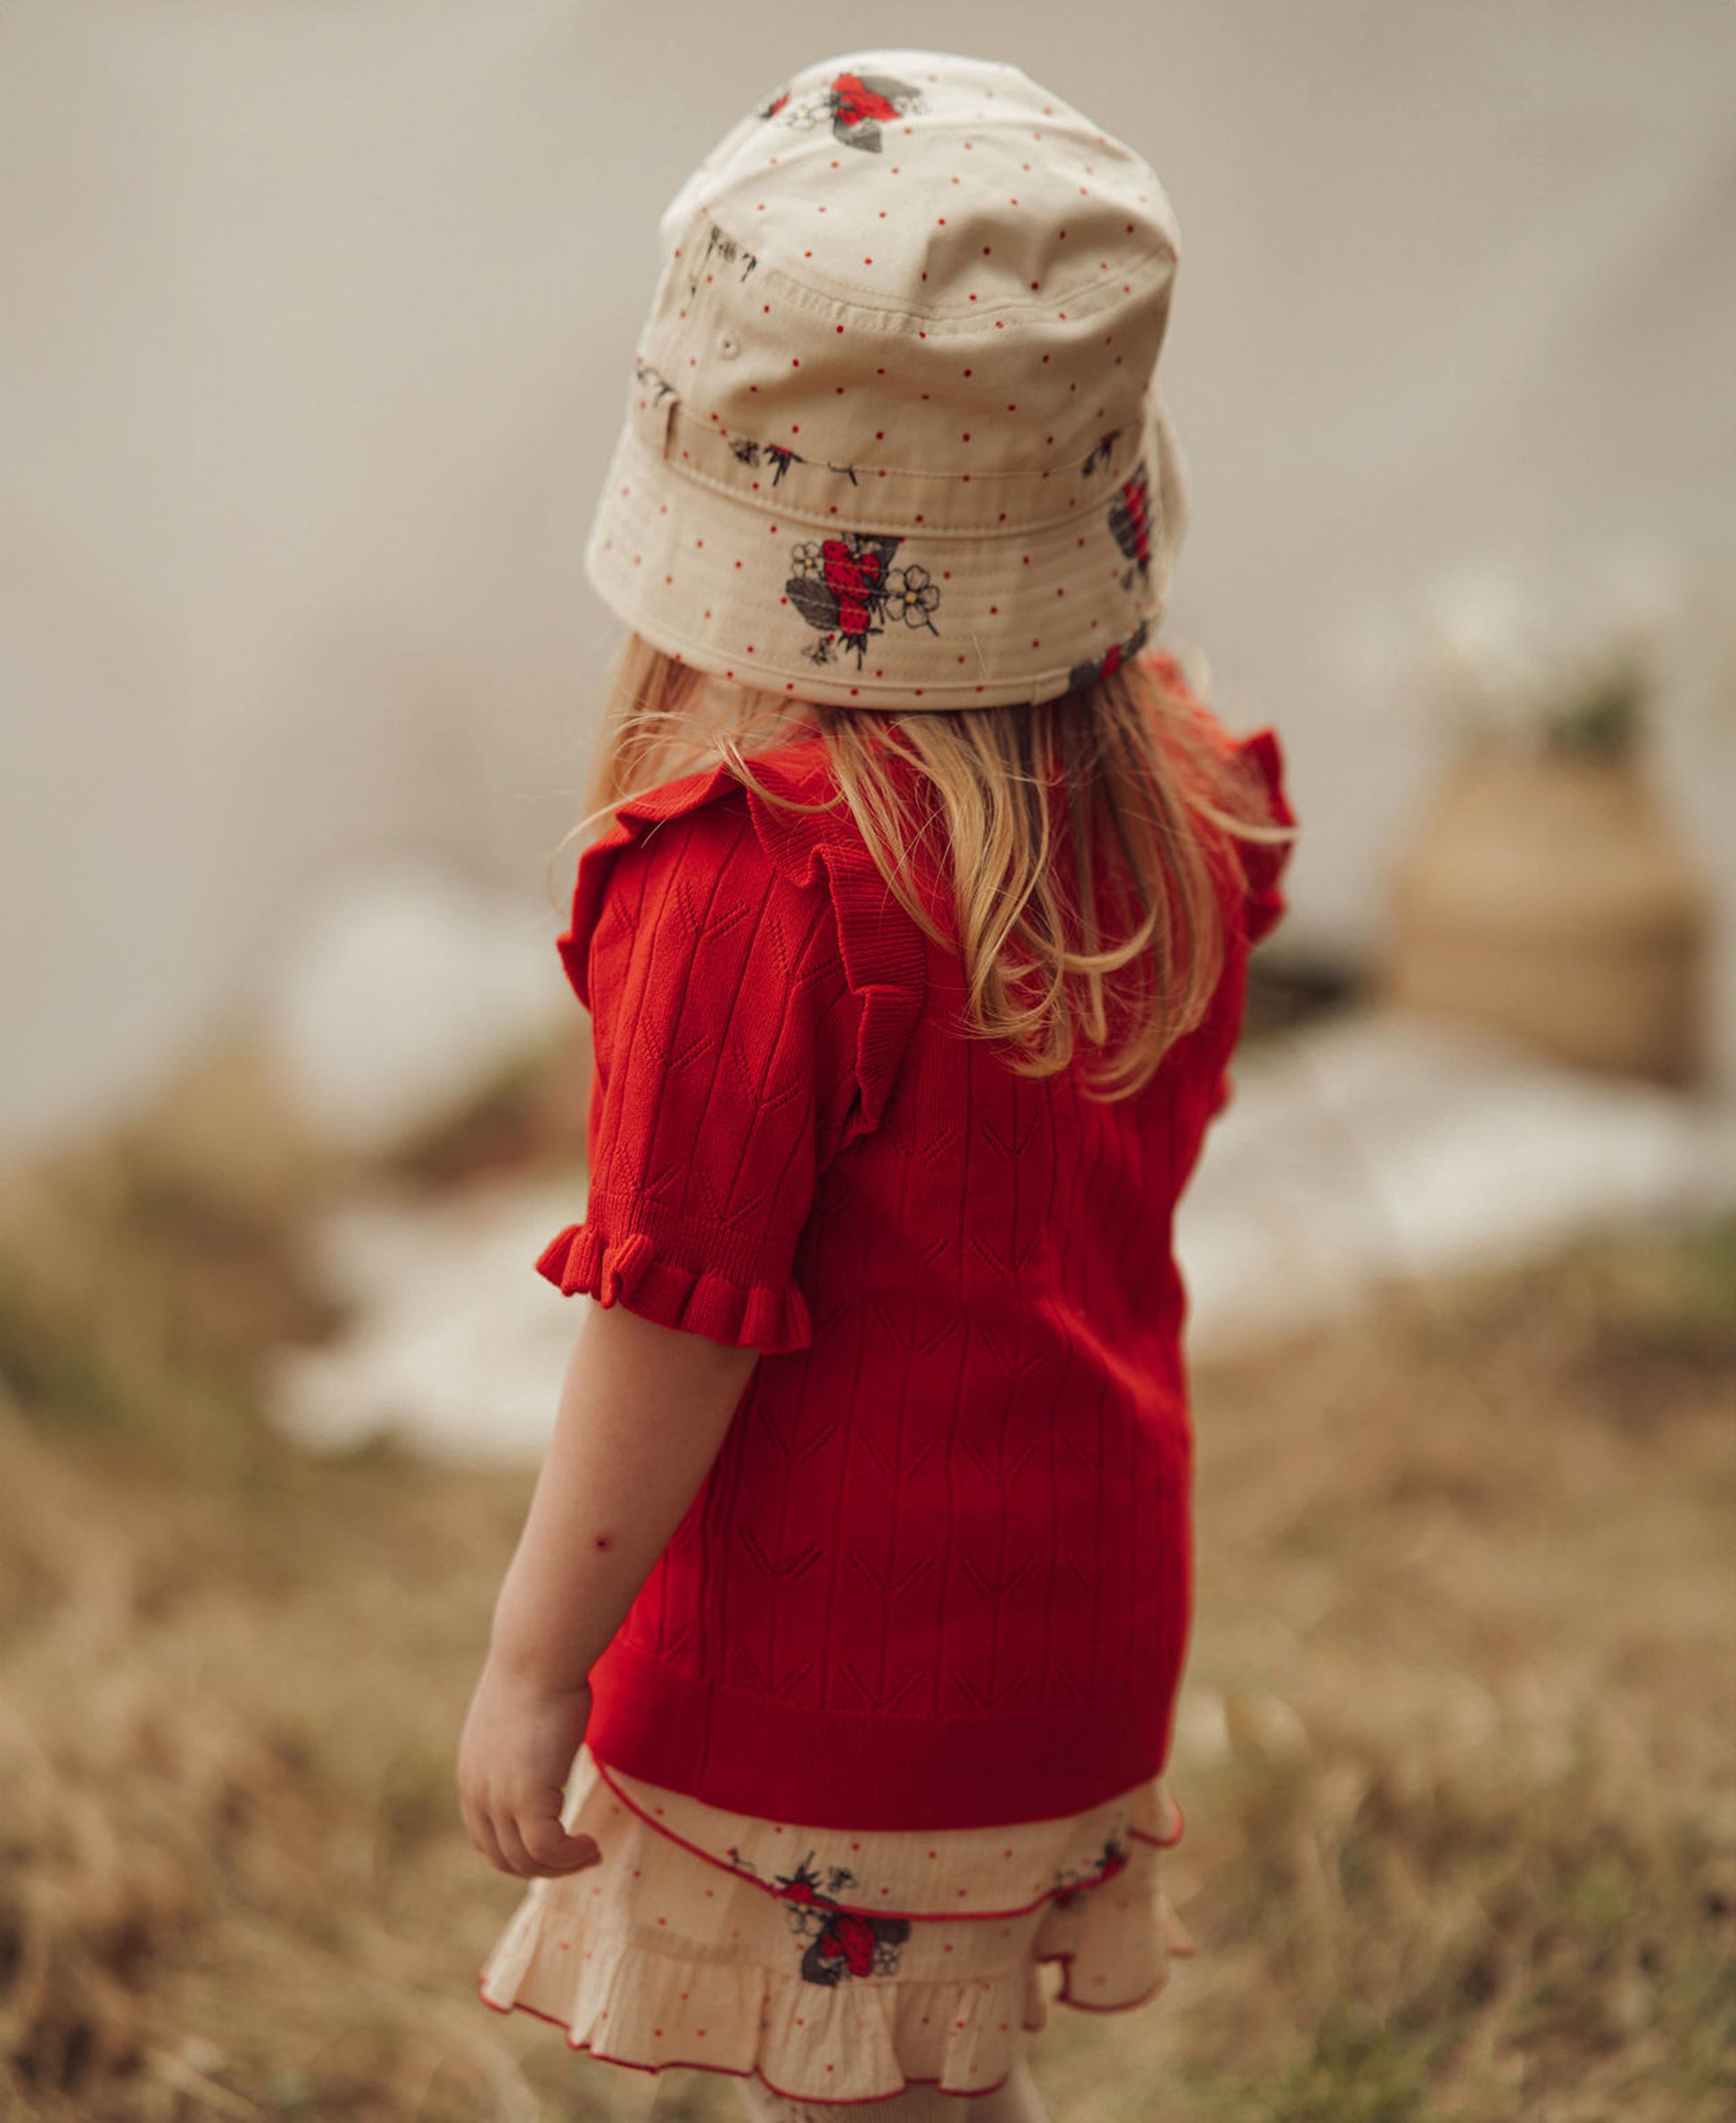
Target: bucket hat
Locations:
point(893, 436)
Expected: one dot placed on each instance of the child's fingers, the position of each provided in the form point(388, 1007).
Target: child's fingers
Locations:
point(554, 1850)
point(537, 1848)
point(518, 1858)
point(481, 1834)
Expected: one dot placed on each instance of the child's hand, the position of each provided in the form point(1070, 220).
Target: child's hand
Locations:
point(642, 1414)
point(519, 1744)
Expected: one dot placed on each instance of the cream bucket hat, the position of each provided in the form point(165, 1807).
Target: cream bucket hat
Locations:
point(894, 438)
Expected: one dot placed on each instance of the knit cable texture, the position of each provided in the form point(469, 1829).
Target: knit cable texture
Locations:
point(940, 1574)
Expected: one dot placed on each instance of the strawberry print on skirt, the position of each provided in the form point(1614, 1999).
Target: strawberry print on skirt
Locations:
point(847, 590)
point(836, 1942)
point(1111, 1859)
point(854, 105)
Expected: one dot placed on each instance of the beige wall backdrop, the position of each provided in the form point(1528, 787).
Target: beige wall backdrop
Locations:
point(315, 317)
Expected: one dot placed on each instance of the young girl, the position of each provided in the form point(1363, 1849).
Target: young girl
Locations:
point(831, 1681)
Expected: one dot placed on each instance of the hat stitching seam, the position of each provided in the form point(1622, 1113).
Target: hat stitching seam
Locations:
point(788, 510)
point(1086, 297)
point(1128, 460)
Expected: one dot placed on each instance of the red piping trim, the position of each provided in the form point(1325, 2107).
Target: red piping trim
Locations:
point(729, 2071)
point(1161, 1842)
point(910, 1916)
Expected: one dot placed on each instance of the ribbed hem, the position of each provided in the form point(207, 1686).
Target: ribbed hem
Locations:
point(755, 1754)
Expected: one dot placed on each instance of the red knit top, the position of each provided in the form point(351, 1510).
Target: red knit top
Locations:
point(940, 1573)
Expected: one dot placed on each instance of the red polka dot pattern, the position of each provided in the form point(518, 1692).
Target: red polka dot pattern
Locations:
point(957, 387)
point(706, 1939)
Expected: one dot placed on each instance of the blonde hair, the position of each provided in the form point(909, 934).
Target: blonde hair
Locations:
point(1071, 838)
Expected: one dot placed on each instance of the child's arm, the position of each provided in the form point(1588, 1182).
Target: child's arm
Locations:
point(642, 1416)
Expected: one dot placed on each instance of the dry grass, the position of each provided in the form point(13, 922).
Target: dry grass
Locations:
point(1456, 1756)
point(1462, 1837)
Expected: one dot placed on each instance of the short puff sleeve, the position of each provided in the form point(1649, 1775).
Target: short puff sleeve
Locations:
point(1253, 880)
point(739, 1045)
point(1264, 861)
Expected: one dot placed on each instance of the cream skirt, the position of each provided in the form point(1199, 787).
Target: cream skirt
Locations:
point(834, 1966)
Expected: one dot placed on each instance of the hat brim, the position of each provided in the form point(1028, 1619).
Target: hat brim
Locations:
point(820, 610)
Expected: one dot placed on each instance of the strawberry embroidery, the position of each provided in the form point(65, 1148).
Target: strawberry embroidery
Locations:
point(649, 379)
point(853, 574)
point(854, 105)
point(726, 250)
point(748, 452)
point(847, 590)
point(1111, 1859)
point(838, 1942)
point(1130, 520)
point(1099, 453)
point(721, 250)
point(1107, 665)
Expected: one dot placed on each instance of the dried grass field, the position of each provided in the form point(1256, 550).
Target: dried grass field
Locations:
point(1455, 1755)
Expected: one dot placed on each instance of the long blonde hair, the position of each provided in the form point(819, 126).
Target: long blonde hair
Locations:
point(1070, 838)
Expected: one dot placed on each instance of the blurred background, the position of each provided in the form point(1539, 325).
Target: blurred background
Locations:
point(315, 327)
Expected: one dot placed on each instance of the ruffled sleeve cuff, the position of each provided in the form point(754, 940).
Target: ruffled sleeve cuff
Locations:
point(633, 1271)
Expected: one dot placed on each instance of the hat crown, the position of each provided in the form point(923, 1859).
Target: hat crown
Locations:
point(895, 437)
point(909, 261)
